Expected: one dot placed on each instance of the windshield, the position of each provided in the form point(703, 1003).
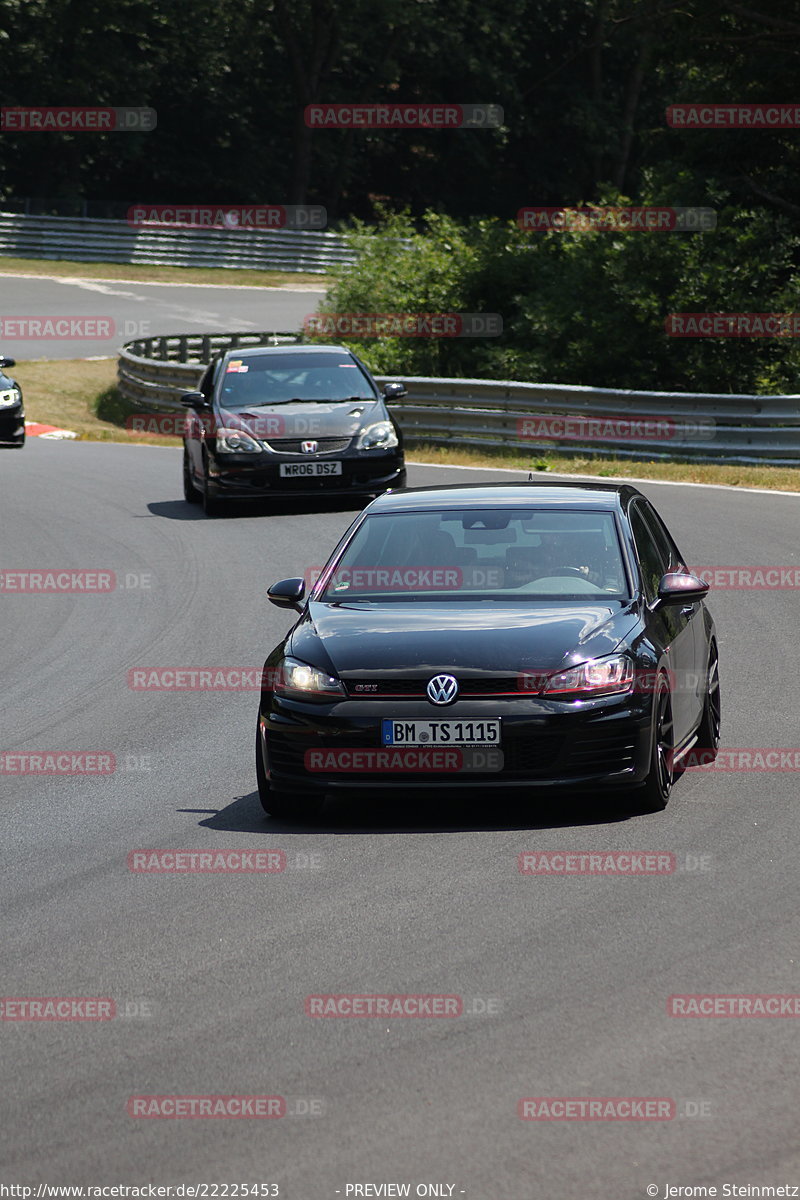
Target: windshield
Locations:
point(481, 554)
point(261, 380)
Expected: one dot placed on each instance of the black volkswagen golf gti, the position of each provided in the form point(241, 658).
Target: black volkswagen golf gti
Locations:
point(296, 420)
point(492, 636)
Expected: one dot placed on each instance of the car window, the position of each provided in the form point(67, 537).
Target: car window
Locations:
point(207, 382)
point(663, 539)
point(488, 554)
point(653, 562)
point(263, 380)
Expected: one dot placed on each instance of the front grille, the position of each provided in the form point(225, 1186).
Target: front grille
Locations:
point(530, 754)
point(287, 753)
point(603, 749)
point(414, 689)
point(295, 445)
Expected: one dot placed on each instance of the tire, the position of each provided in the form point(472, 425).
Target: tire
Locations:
point(655, 792)
point(212, 507)
point(191, 494)
point(709, 727)
point(290, 806)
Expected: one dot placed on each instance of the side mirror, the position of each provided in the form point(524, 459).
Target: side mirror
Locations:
point(287, 593)
point(677, 587)
point(393, 391)
point(7, 362)
point(194, 400)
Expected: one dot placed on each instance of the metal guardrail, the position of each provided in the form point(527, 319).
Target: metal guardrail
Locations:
point(87, 240)
point(480, 413)
point(154, 372)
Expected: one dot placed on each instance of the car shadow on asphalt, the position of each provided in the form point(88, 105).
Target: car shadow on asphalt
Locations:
point(422, 813)
point(181, 510)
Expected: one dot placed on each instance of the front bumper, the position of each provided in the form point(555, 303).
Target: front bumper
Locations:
point(12, 425)
point(259, 475)
point(599, 743)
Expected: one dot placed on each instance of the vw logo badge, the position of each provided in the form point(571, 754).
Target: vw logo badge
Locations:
point(442, 689)
point(309, 447)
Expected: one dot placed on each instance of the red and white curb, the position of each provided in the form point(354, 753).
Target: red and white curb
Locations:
point(34, 429)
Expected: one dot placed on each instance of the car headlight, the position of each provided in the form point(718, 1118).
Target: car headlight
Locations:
point(378, 437)
point(298, 678)
point(597, 677)
point(12, 396)
point(236, 441)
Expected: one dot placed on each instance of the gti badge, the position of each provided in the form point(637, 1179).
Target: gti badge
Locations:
point(442, 689)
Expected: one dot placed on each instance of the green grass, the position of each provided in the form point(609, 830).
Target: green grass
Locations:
point(143, 273)
point(784, 479)
point(80, 395)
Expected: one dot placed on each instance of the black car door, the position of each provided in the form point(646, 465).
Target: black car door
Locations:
point(197, 422)
point(696, 683)
point(670, 626)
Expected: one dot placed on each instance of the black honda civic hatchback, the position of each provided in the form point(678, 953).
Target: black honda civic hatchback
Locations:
point(492, 636)
point(289, 420)
point(12, 413)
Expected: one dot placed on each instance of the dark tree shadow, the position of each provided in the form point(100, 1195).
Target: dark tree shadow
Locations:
point(180, 510)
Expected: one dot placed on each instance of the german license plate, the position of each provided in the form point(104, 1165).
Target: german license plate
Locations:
point(305, 470)
point(440, 733)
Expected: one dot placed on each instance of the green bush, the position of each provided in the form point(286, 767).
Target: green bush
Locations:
point(580, 308)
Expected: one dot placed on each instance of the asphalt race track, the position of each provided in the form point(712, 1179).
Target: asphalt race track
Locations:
point(209, 972)
point(130, 309)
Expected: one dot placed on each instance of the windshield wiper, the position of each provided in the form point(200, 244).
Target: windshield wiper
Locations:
point(314, 400)
point(306, 400)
